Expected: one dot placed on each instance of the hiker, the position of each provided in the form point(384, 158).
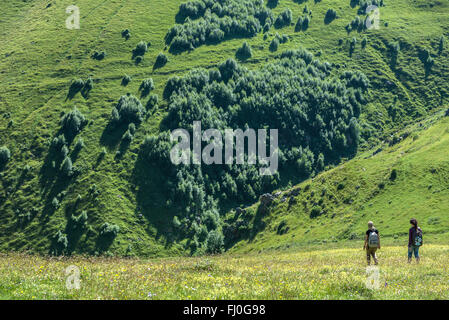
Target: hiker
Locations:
point(372, 243)
point(414, 240)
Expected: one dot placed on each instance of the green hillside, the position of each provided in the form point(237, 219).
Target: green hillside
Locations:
point(396, 182)
point(101, 191)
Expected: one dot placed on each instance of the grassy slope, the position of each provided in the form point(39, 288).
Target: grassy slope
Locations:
point(420, 190)
point(35, 73)
point(319, 274)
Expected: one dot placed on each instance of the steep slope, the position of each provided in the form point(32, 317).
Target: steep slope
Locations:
point(39, 59)
point(396, 182)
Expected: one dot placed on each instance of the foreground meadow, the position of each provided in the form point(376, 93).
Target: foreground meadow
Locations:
point(320, 274)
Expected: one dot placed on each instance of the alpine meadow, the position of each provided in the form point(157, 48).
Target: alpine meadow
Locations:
point(344, 102)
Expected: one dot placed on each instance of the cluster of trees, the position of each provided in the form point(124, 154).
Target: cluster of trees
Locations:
point(302, 23)
point(79, 85)
point(364, 4)
point(284, 19)
point(315, 113)
point(274, 44)
point(140, 50)
point(209, 21)
point(357, 24)
point(72, 123)
point(146, 87)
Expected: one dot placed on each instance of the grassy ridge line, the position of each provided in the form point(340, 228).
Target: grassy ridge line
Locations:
point(361, 190)
point(320, 274)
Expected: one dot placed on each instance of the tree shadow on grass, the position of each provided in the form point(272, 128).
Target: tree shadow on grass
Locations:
point(104, 242)
point(61, 184)
point(74, 234)
point(150, 181)
point(112, 134)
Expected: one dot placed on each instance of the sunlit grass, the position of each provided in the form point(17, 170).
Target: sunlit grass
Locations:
point(320, 274)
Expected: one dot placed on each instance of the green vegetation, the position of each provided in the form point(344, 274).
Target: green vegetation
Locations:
point(404, 178)
point(209, 21)
point(44, 69)
point(244, 52)
point(323, 273)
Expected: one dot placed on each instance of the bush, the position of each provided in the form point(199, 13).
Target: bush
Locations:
point(109, 230)
point(315, 212)
point(216, 36)
point(305, 23)
point(161, 61)
point(77, 85)
point(126, 34)
point(298, 26)
point(330, 16)
point(125, 80)
point(79, 222)
point(152, 101)
point(5, 155)
point(393, 175)
point(58, 142)
point(274, 45)
point(214, 242)
point(72, 123)
point(284, 19)
point(176, 222)
point(146, 87)
point(141, 49)
point(352, 45)
point(244, 52)
point(128, 109)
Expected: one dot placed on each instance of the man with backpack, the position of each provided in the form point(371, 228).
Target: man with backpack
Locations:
point(372, 243)
point(414, 240)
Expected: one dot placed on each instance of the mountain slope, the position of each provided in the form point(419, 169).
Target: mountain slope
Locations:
point(39, 59)
point(388, 186)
